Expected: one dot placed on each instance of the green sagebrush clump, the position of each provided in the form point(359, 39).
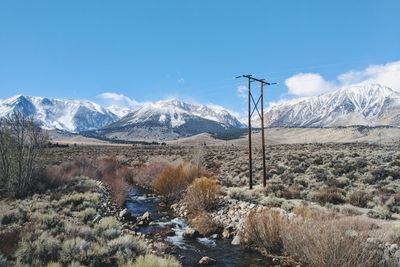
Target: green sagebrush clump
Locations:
point(154, 261)
point(53, 230)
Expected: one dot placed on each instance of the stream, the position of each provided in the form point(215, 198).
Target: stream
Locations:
point(189, 250)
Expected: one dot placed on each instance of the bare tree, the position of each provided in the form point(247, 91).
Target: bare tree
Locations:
point(21, 142)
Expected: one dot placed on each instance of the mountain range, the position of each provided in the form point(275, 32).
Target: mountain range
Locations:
point(369, 105)
point(60, 114)
point(163, 119)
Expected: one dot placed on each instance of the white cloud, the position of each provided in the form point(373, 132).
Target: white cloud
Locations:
point(304, 85)
point(120, 99)
point(308, 84)
point(312, 84)
point(386, 74)
point(242, 91)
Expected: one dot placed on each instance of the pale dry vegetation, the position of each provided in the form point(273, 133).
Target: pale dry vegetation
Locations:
point(174, 179)
point(315, 238)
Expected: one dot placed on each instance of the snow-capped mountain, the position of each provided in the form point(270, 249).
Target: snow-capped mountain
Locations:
point(369, 105)
point(172, 118)
point(66, 115)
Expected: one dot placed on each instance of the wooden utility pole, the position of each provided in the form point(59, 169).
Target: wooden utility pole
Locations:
point(262, 82)
point(262, 133)
point(249, 126)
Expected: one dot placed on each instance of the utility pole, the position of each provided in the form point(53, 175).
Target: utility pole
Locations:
point(262, 82)
point(249, 126)
point(262, 133)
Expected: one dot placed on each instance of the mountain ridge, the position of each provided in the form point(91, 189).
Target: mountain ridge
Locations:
point(369, 105)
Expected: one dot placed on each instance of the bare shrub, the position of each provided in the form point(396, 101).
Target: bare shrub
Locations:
point(291, 192)
point(263, 230)
point(338, 242)
point(108, 170)
point(21, 143)
point(147, 175)
point(116, 181)
point(174, 180)
point(204, 223)
point(203, 194)
point(9, 241)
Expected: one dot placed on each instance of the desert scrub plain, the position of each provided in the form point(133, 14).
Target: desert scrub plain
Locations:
point(324, 204)
point(362, 176)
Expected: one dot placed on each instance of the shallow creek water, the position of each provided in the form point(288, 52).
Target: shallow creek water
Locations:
point(192, 250)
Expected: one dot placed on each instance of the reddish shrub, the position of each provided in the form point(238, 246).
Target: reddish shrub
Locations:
point(148, 174)
point(108, 170)
point(9, 241)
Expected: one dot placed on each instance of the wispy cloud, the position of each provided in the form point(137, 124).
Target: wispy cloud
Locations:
point(242, 91)
point(180, 80)
point(120, 99)
point(119, 104)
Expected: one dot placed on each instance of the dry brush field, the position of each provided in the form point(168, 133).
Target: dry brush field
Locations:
point(365, 176)
point(324, 204)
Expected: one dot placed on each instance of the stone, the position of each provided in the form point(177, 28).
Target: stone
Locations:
point(191, 233)
point(243, 205)
point(207, 261)
point(236, 241)
point(123, 212)
point(226, 234)
point(146, 216)
point(97, 218)
point(143, 220)
point(126, 215)
point(214, 236)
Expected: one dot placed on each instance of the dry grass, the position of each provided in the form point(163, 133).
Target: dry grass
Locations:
point(340, 242)
point(173, 180)
point(203, 194)
point(318, 240)
point(263, 230)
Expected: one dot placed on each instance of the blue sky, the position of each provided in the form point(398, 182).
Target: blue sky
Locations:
point(150, 50)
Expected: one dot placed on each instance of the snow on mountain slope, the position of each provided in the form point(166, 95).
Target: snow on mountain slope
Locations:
point(175, 113)
point(168, 119)
point(67, 115)
point(370, 105)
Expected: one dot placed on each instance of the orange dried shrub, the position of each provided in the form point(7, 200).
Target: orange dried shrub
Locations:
point(203, 194)
point(173, 180)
